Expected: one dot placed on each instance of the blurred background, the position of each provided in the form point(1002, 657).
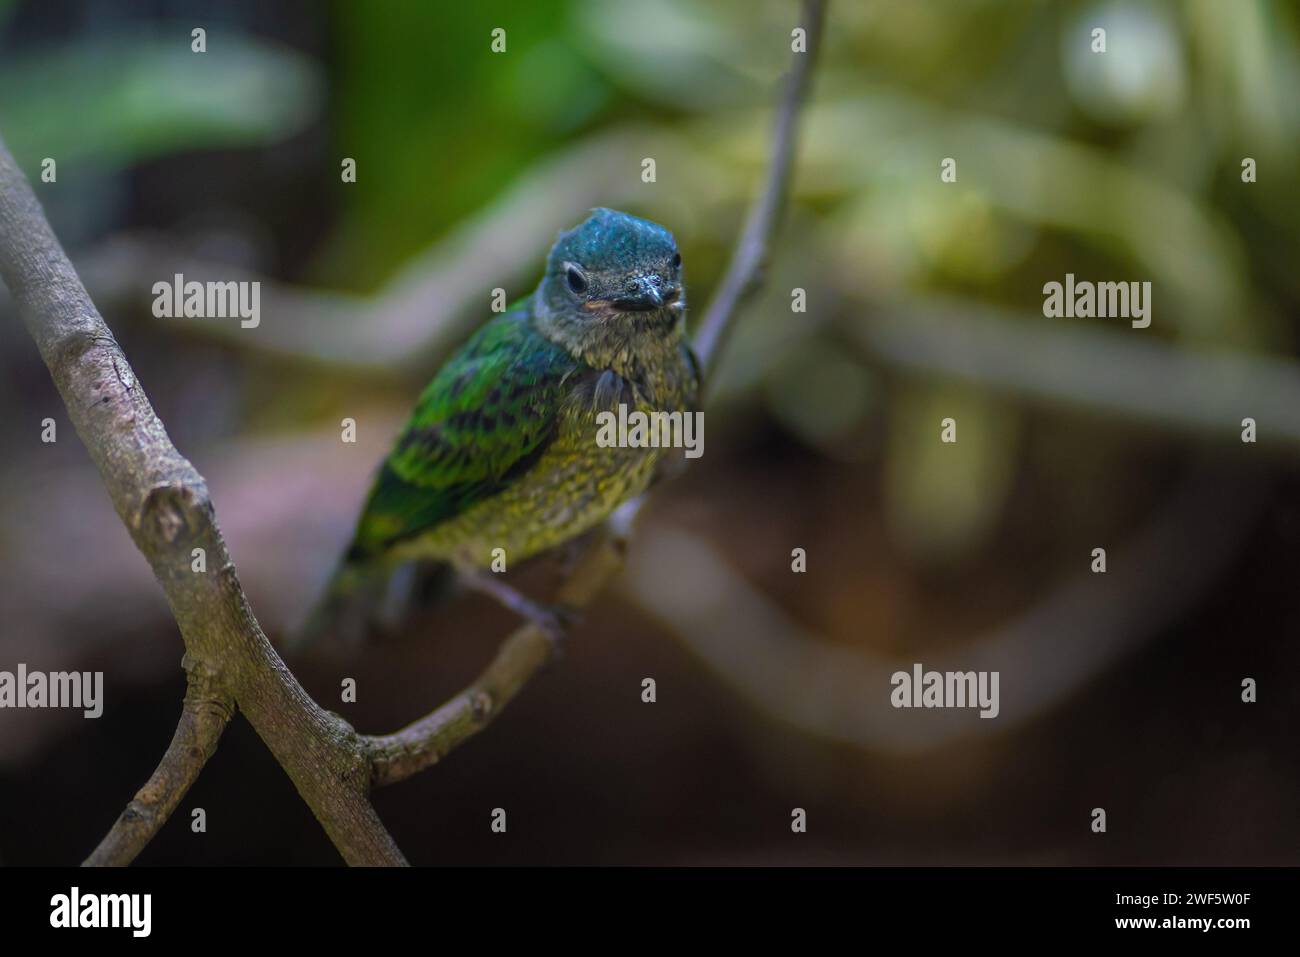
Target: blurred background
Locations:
point(924, 301)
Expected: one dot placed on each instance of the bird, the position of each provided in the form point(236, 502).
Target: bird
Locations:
point(500, 452)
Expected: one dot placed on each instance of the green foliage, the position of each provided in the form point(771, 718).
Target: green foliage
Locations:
point(124, 98)
point(1125, 166)
point(438, 123)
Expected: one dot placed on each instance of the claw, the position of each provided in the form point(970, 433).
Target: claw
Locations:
point(554, 619)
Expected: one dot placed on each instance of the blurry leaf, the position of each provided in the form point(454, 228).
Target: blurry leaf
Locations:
point(820, 394)
point(438, 123)
point(686, 56)
point(894, 144)
point(554, 88)
point(1140, 77)
point(127, 98)
point(942, 500)
point(1246, 58)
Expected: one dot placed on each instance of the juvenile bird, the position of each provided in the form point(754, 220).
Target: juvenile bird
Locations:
point(501, 450)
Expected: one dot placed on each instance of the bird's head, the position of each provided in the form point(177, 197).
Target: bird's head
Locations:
point(615, 270)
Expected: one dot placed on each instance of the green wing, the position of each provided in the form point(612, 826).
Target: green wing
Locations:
point(486, 416)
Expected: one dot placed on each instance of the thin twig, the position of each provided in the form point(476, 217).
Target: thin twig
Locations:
point(207, 710)
point(1081, 627)
point(164, 503)
point(1177, 389)
point(745, 271)
point(423, 743)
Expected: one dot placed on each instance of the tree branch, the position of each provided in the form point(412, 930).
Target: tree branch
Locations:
point(423, 743)
point(164, 503)
point(207, 710)
point(745, 271)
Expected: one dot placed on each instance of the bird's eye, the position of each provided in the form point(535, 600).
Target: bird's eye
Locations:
point(577, 281)
point(677, 260)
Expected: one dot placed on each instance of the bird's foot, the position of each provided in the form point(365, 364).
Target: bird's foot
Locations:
point(553, 619)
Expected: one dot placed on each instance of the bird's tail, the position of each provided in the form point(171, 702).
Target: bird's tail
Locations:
point(359, 600)
point(346, 607)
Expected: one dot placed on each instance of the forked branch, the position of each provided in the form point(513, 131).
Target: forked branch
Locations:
point(164, 504)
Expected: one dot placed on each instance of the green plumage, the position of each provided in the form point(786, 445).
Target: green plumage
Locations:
point(482, 420)
point(501, 450)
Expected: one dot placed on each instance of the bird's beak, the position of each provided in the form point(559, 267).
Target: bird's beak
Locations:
point(646, 293)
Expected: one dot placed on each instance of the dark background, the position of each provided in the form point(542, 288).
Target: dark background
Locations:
point(1119, 691)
